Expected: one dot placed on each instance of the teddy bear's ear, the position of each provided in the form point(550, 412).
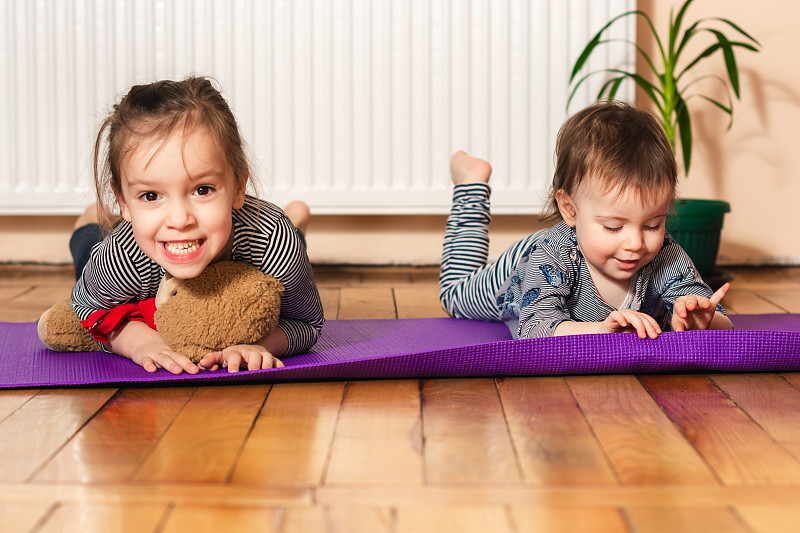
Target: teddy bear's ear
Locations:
point(168, 288)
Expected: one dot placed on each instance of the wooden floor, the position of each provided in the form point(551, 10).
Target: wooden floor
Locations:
point(657, 453)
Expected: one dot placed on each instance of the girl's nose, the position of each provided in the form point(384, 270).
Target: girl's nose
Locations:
point(179, 215)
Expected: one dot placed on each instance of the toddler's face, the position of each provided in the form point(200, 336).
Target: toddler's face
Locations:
point(178, 195)
point(618, 234)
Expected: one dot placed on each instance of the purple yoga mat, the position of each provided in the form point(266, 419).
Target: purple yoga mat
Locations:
point(433, 347)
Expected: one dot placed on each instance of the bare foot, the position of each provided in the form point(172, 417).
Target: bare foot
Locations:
point(299, 213)
point(467, 169)
point(90, 216)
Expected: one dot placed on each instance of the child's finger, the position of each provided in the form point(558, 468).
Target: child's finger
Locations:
point(211, 361)
point(149, 365)
point(652, 328)
point(255, 361)
point(679, 308)
point(619, 318)
point(639, 326)
point(186, 364)
point(717, 297)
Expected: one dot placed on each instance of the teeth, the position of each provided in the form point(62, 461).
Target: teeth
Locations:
point(181, 248)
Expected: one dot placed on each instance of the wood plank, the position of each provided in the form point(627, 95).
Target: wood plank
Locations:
point(330, 302)
point(770, 401)
point(379, 435)
point(40, 427)
point(204, 494)
point(366, 302)
point(474, 518)
point(554, 443)
point(745, 301)
point(668, 519)
point(112, 446)
point(11, 400)
point(575, 497)
point(24, 516)
point(359, 519)
point(28, 307)
point(291, 440)
point(304, 520)
point(770, 518)
point(204, 441)
point(559, 519)
point(214, 519)
point(80, 518)
point(386, 276)
point(737, 448)
point(418, 301)
point(787, 298)
point(640, 441)
point(793, 378)
point(747, 276)
point(466, 437)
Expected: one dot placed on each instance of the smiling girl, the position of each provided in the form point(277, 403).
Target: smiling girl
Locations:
point(171, 159)
point(608, 265)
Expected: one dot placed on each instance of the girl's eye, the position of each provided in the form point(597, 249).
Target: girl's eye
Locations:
point(653, 228)
point(612, 229)
point(203, 190)
point(149, 196)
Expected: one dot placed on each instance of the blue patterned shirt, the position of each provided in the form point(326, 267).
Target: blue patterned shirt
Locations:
point(552, 284)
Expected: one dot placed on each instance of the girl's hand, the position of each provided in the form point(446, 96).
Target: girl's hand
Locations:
point(624, 320)
point(696, 312)
point(153, 358)
point(256, 357)
point(145, 347)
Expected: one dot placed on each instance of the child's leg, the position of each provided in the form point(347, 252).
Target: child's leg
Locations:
point(299, 213)
point(467, 285)
point(85, 235)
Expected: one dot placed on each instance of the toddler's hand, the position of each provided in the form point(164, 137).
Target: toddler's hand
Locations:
point(696, 312)
point(257, 358)
point(624, 320)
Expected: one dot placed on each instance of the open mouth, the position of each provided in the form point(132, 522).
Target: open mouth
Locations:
point(182, 250)
point(626, 264)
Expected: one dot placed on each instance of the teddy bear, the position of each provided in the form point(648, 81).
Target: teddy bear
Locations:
point(229, 303)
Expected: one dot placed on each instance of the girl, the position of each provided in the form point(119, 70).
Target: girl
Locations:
point(608, 265)
point(170, 157)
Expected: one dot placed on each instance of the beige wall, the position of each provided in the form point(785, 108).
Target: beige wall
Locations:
point(755, 166)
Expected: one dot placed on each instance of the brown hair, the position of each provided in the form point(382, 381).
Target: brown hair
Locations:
point(623, 146)
point(156, 110)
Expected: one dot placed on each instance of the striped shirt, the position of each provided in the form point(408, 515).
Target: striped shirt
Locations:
point(552, 284)
point(118, 272)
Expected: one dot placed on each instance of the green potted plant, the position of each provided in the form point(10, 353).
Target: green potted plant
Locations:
point(668, 84)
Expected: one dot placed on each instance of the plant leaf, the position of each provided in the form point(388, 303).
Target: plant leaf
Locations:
point(685, 132)
point(687, 36)
point(710, 51)
point(737, 28)
point(674, 28)
point(730, 60)
point(612, 86)
point(593, 43)
point(726, 109)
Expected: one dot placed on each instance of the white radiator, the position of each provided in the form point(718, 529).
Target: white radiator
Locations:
point(352, 105)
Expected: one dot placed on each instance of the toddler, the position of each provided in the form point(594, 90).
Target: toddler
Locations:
point(608, 265)
point(171, 159)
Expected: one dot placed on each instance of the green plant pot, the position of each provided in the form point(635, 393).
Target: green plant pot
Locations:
point(696, 225)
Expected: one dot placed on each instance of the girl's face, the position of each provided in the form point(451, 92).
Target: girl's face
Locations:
point(178, 195)
point(617, 234)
